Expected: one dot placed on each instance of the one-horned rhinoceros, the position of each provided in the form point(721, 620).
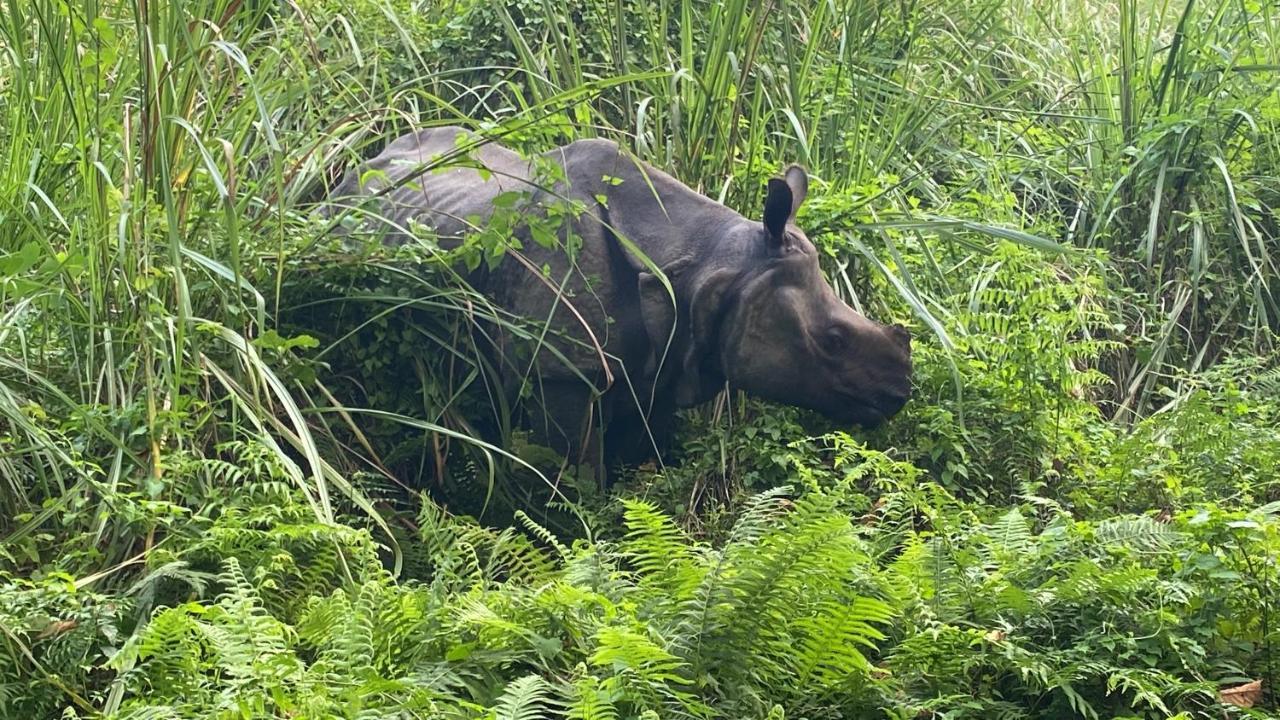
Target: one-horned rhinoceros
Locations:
point(657, 296)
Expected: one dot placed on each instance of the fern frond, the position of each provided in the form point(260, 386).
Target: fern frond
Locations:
point(1012, 533)
point(1140, 533)
point(525, 698)
point(590, 701)
point(653, 540)
point(244, 638)
point(542, 534)
point(511, 556)
point(666, 561)
point(909, 575)
point(827, 651)
point(625, 650)
point(147, 586)
point(697, 615)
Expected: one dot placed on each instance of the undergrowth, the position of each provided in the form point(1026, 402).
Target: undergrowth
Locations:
point(248, 471)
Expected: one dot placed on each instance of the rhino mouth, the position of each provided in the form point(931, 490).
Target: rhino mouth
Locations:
point(858, 410)
point(865, 415)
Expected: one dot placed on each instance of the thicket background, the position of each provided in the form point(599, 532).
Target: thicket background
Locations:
point(239, 464)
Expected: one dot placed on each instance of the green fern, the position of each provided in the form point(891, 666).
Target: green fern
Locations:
point(541, 533)
point(640, 669)
point(698, 615)
point(776, 604)
point(666, 561)
point(525, 698)
point(1139, 533)
point(590, 701)
point(624, 650)
point(830, 642)
point(1011, 533)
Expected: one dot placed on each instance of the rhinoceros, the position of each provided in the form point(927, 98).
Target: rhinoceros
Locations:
point(657, 297)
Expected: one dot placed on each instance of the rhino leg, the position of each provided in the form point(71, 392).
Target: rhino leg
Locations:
point(635, 438)
point(565, 416)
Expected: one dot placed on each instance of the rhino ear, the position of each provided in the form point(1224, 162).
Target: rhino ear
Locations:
point(784, 200)
point(798, 181)
point(777, 209)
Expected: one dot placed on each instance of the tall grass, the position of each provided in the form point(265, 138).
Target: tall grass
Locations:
point(158, 156)
point(1176, 115)
point(144, 171)
point(1145, 129)
point(157, 153)
point(115, 177)
point(158, 166)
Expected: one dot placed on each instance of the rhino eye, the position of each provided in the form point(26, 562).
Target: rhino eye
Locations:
point(835, 341)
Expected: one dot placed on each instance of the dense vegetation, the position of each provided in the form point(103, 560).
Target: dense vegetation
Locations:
point(239, 466)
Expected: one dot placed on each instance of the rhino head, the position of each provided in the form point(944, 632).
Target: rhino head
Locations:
point(785, 335)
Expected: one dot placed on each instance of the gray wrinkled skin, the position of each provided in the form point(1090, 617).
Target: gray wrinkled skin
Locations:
point(751, 308)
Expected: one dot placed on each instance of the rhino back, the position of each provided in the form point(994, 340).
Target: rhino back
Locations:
point(636, 219)
point(428, 185)
point(633, 219)
point(645, 208)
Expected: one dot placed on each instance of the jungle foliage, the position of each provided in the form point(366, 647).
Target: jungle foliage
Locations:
point(247, 472)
